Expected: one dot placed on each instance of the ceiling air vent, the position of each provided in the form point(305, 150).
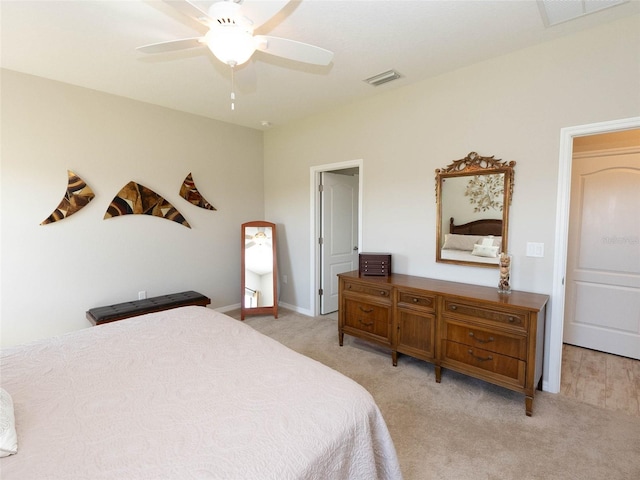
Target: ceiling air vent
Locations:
point(383, 77)
point(559, 11)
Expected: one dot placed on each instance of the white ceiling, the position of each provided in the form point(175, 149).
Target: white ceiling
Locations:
point(92, 44)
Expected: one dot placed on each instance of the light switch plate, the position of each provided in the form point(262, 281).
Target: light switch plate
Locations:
point(535, 249)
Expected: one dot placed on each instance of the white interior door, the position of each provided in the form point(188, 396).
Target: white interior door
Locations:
point(602, 306)
point(339, 227)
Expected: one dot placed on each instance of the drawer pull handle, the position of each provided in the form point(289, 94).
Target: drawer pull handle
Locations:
point(366, 310)
point(453, 307)
point(383, 293)
point(416, 300)
point(479, 340)
point(366, 324)
point(512, 319)
point(482, 359)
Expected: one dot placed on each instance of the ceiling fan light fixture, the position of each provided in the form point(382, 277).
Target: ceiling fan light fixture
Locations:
point(260, 238)
point(232, 45)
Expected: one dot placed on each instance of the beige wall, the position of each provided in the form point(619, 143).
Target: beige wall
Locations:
point(512, 107)
point(52, 274)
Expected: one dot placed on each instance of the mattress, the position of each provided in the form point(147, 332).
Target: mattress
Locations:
point(187, 393)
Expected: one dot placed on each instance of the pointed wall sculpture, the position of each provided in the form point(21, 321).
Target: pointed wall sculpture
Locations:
point(190, 193)
point(134, 198)
point(77, 196)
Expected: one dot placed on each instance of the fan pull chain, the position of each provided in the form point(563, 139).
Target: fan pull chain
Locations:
point(233, 88)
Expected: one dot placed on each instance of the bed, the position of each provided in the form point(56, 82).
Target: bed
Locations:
point(477, 241)
point(187, 393)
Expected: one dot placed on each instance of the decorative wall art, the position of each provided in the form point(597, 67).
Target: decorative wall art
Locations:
point(486, 192)
point(190, 193)
point(77, 196)
point(134, 198)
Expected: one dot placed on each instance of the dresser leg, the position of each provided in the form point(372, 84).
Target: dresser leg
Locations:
point(528, 405)
point(340, 338)
point(438, 370)
point(394, 358)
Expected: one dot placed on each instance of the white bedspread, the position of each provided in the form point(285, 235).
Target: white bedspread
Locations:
point(466, 256)
point(187, 393)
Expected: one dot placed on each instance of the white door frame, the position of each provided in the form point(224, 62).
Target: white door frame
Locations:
point(314, 248)
point(556, 306)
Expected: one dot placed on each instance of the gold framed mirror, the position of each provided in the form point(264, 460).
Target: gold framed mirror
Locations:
point(473, 196)
point(259, 283)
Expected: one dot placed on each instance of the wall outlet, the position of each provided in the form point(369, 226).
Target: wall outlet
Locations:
point(535, 249)
point(142, 295)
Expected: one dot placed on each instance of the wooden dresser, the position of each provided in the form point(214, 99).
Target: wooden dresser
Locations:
point(467, 328)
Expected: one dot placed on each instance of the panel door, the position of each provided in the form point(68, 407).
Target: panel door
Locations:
point(339, 248)
point(602, 309)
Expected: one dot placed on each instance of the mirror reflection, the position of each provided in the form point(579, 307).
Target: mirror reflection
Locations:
point(259, 287)
point(473, 197)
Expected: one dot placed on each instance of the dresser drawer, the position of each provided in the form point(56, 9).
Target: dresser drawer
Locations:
point(502, 343)
point(368, 317)
point(509, 369)
point(425, 302)
point(382, 291)
point(495, 316)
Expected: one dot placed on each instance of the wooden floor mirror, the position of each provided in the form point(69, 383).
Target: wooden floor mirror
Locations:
point(259, 269)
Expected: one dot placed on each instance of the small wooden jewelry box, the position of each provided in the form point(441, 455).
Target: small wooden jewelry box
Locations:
point(375, 264)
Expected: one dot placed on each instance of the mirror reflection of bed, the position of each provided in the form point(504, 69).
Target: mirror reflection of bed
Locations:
point(473, 195)
point(479, 238)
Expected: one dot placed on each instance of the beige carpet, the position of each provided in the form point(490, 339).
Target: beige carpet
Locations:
point(464, 428)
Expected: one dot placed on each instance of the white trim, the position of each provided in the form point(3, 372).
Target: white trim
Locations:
point(314, 247)
point(227, 308)
point(556, 306)
point(302, 311)
point(609, 152)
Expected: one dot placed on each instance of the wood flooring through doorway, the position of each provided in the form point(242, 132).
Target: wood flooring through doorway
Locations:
point(601, 379)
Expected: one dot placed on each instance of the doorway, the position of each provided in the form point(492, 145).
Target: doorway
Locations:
point(554, 337)
point(335, 231)
point(602, 296)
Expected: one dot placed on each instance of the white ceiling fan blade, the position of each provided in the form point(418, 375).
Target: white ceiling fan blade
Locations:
point(261, 11)
point(190, 10)
point(293, 50)
point(172, 45)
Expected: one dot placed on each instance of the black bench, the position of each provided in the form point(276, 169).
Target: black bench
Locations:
point(111, 313)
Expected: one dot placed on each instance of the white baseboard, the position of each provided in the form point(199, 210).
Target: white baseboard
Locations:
point(228, 308)
point(302, 311)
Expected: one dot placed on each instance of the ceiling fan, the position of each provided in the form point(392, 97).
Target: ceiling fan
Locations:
point(259, 238)
point(230, 37)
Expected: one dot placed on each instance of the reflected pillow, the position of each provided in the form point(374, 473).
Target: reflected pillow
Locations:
point(491, 240)
point(454, 241)
point(8, 436)
point(485, 251)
